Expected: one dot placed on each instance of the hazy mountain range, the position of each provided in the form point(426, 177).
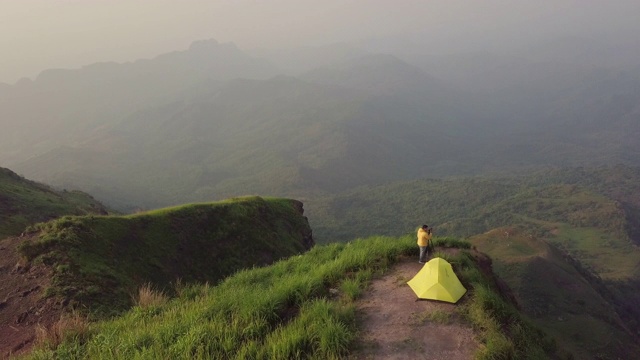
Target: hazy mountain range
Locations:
point(212, 121)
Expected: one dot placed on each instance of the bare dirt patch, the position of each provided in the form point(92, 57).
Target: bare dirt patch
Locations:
point(22, 306)
point(397, 326)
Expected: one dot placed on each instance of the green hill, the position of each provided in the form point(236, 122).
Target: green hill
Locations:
point(302, 307)
point(98, 261)
point(24, 202)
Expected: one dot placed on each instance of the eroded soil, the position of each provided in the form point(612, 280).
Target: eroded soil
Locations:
point(22, 308)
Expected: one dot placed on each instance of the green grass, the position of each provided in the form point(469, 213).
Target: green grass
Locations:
point(98, 261)
point(290, 310)
point(24, 202)
point(436, 316)
point(450, 242)
point(605, 254)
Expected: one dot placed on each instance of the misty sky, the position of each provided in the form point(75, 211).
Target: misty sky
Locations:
point(41, 34)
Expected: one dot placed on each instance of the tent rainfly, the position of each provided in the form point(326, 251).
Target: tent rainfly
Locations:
point(437, 281)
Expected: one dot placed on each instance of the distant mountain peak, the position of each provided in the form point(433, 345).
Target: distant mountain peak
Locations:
point(203, 44)
point(212, 45)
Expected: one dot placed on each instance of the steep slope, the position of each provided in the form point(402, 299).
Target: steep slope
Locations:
point(561, 296)
point(61, 107)
point(24, 202)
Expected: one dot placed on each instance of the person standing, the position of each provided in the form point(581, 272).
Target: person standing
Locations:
point(424, 237)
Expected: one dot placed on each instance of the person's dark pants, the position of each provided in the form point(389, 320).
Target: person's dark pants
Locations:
point(423, 254)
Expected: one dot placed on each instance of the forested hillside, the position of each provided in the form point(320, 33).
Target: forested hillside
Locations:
point(605, 197)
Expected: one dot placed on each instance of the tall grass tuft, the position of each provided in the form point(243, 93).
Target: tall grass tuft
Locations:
point(70, 326)
point(149, 297)
point(351, 288)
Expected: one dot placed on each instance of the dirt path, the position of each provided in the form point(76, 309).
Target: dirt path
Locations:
point(21, 305)
point(396, 326)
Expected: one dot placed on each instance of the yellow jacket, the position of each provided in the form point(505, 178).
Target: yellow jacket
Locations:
point(423, 237)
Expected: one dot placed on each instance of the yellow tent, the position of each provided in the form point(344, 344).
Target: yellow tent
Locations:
point(437, 281)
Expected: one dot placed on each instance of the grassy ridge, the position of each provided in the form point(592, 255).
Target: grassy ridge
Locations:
point(287, 311)
point(24, 202)
point(98, 261)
